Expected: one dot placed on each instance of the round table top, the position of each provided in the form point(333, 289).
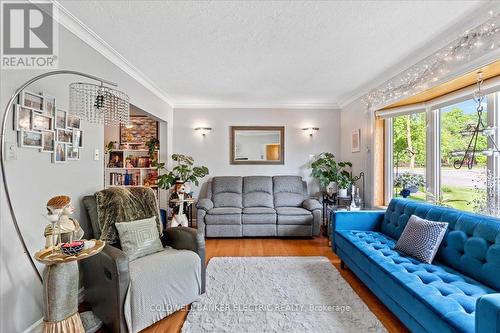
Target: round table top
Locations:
point(191, 200)
point(46, 256)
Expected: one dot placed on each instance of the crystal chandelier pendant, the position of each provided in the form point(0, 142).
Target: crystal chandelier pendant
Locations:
point(99, 104)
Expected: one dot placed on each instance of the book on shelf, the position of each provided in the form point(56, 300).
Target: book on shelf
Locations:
point(124, 179)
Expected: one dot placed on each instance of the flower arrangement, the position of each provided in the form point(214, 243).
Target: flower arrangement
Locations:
point(408, 180)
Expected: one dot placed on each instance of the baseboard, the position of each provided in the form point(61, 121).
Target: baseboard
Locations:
point(36, 327)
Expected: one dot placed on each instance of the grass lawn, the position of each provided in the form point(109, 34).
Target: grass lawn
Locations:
point(465, 196)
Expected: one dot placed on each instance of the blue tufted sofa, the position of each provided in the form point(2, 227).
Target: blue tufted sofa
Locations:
point(458, 292)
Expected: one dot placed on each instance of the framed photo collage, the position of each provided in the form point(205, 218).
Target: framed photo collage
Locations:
point(41, 125)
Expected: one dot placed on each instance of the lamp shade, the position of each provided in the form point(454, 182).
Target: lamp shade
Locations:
point(99, 104)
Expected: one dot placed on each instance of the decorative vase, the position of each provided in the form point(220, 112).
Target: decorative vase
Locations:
point(343, 192)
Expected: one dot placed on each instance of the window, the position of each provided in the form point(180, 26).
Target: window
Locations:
point(409, 156)
point(462, 188)
point(423, 151)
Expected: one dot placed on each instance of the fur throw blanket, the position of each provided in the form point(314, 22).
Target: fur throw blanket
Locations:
point(118, 204)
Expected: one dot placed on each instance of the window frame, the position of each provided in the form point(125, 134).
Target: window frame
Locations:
point(432, 111)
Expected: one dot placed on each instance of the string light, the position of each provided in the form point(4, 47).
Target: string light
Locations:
point(473, 43)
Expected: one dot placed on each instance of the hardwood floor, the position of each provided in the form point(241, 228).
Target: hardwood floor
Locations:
point(254, 247)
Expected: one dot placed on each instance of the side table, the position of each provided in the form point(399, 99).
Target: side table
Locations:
point(60, 289)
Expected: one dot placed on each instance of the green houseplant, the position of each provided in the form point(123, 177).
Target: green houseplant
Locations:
point(326, 170)
point(183, 171)
point(344, 178)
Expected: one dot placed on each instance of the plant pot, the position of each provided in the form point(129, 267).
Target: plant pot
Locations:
point(342, 192)
point(331, 188)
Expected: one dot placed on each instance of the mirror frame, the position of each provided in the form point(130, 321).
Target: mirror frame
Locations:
point(233, 130)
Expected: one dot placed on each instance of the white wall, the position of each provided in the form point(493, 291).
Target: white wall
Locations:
point(213, 149)
point(33, 179)
point(355, 116)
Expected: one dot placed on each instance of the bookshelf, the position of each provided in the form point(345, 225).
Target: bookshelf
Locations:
point(129, 168)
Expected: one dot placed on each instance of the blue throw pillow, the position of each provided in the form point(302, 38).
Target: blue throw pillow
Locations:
point(421, 238)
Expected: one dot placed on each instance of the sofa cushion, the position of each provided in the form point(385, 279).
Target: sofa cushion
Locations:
point(448, 293)
point(471, 245)
point(259, 210)
point(421, 238)
point(228, 219)
point(258, 219)
point(292, 211)
point(139, 238)
point(258, 191)
point(295, 219)
point(224, 211)
point(289, 191)
point(227, 191)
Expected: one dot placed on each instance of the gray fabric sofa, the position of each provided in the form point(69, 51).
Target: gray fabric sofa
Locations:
point(257, 206)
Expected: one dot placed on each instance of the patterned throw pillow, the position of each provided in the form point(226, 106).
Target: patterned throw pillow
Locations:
point(421, 238)
point(139, 238)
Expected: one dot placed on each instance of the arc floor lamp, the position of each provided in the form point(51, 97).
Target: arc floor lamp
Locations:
point(93, 103)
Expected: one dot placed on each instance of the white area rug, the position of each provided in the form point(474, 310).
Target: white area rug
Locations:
point(278, 294)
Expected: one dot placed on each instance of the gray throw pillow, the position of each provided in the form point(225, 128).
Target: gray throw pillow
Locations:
point(139, 238)
point(421, 238)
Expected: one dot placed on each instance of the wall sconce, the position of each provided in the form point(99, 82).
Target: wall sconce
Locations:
point(203, 130)
point(311, 130)
point(129, 126)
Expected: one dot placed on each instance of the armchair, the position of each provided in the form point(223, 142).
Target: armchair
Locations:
point(108, 277)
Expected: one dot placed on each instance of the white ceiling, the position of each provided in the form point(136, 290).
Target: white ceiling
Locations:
point(273, 53)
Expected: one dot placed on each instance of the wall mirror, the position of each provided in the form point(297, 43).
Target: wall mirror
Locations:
point(257, 145)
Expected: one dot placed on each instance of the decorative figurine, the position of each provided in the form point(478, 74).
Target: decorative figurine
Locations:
point(179, 202)
point(62, 228)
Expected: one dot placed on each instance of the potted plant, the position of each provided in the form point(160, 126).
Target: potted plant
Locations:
point(325, 169)
point(110, 146)
point(344, 178)
point(184, 171)
point(409, 183)
point(152, 144)
point(330, 173)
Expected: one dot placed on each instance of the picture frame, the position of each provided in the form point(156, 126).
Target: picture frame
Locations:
point(49, 139)
point(32, 100)
point(73, 121)
point(65, 136)
point(72, 153)
point(22, 118)
point(60, 119)
point(30, 139)
point(141, 129)
point(49, 105)
point(77, 140)
point(274, 151)
point(356, 141)
point(59, 154)
point(41, 122)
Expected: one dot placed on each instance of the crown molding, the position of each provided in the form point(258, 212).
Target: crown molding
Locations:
point(291, 106)
point(86, 34)
point(460, 25)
